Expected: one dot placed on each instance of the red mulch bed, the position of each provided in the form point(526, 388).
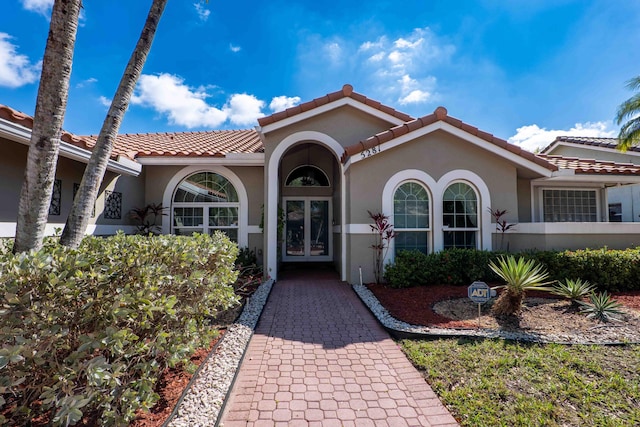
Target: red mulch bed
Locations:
point(415, 305)
point(170, 386)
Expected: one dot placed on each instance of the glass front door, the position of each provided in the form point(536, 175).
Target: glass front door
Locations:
point(307, 234)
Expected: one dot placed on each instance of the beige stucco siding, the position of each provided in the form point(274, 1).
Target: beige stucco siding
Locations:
point(436, 154)
point(346, 124)
point(13, 162)
point(252, 177)
point(524, 203)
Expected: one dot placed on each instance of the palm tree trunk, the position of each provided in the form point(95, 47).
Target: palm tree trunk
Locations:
point(78, 219)
point(51, 104)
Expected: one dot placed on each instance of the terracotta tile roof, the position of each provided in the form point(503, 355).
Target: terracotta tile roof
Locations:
point(25, 120)
point(590, 166)
point(440, 114)
point(591, 141)
point(346, 91)
point(216, 143)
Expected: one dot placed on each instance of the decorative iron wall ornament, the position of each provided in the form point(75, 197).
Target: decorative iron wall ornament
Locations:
point(112, 204)
point(56, 198)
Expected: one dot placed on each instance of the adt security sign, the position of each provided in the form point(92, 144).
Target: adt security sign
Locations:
point(480, 292)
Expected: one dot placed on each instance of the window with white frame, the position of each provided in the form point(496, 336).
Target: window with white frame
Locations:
point(411, 217)
point(567, 205)
point(203, 203)
point(460, 216)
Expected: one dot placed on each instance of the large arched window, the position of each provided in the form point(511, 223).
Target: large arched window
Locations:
point(203, 203)
point(460, 216)
point(411, 217)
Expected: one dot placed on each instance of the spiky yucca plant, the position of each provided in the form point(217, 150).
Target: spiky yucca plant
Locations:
point(574, 290)
point(601, 307)
point(520, 276)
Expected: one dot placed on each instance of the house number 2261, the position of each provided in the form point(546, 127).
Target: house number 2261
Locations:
point(370, 152)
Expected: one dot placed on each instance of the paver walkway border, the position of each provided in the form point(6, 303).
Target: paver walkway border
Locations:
point(318, 357)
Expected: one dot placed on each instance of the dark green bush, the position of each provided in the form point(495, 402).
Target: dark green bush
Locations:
point(449, 267)
point(91, 329)
point(608, 270)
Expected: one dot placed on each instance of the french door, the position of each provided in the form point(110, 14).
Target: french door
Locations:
point(307, 234)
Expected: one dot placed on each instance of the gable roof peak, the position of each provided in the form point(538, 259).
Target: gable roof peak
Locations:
point(440, 113)
point(345, 92)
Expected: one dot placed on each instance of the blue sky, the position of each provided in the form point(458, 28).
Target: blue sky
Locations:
point(523, 70)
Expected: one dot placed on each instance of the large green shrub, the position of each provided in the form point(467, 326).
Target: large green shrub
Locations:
point(449, 267)
point(90, 329)
point(609, 270)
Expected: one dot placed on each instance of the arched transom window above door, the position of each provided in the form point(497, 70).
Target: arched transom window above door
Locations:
point(203, 203)
point(307, 176)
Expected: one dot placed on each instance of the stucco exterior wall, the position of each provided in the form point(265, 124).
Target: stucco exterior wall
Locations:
point(524, 203)
point(436, 154)
point(628, 196)
point(346, 124)
point(13, 162)
point(252, 177)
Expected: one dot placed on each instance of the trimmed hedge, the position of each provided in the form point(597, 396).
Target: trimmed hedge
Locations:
point(609, 270)
point(91, 329)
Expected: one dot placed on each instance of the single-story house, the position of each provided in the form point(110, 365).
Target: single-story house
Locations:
point(298, 187)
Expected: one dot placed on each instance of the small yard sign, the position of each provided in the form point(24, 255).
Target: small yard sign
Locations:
point(480, 292)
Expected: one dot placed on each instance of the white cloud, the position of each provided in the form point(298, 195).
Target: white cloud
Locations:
point(333, 51)
point(281, 103)
point(186, 106)
point(234, 49)
point(203, 13)
point(533, 137)
point(400, 67)
point(86, 82)
point(243, 109)
point(415, 97)
point(103, 100)
point(15, 69)
point(42, 7)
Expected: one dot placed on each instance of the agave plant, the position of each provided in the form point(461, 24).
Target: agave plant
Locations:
point(574, 290)
point(601, 307)
point(520, 276)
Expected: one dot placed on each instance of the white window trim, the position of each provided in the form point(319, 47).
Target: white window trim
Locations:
point(243, 200)
point(426, 229)
point(436, 191)
point(271, 208)
point(540, 194)
point(449, 228)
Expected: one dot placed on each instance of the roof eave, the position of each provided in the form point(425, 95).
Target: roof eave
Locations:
point(22, 135)
point(231, 159)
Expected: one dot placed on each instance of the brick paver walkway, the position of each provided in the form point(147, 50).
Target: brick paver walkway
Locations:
point(319, 358)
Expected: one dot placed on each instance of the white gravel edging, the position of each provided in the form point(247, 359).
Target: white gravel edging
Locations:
point(390, 322)
point(201, 404)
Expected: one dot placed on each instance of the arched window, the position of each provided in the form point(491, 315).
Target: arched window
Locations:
point(411, 217)
point(460, 216)
point(205, 202)
point(307, 176)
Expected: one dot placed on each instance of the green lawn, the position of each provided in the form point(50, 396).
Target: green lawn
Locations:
point(499, 383)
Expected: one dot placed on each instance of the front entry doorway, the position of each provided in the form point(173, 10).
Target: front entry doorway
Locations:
point(307, 229)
